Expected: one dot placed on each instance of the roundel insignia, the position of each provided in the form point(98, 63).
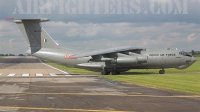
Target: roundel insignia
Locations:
point(68, 56)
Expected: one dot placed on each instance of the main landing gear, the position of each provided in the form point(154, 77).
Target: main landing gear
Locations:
point(105, 73)
point(162, 71)
point(115, 73)
point(108, 73)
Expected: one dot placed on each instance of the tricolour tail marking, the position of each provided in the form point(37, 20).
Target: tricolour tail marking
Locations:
point(34, 34)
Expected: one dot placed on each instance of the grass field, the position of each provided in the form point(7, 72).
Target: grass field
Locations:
point(2, 56)
point(187, 80)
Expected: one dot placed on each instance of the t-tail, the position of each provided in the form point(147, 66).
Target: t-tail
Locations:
point(36, 37)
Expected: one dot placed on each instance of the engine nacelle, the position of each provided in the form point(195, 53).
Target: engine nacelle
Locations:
point(126, 60)
point(142, 59)
point(130, 60)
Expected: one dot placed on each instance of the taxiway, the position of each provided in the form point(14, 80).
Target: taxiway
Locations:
point(28, 85)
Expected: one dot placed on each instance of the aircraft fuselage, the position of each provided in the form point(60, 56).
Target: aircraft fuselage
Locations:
point(155, 59)
point(112, 60)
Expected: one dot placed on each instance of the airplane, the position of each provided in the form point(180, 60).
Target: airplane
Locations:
point(109, 61)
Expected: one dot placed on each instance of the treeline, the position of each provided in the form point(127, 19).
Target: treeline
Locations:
point(7, 55)
point(195, 53)
point(10, 55)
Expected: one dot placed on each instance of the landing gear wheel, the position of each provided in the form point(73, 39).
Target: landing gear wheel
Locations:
point(162, 71)
point(115, 73)
point(118, 73)
point(105, 73)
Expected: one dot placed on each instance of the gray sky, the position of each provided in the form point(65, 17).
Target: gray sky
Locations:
point(100, 24)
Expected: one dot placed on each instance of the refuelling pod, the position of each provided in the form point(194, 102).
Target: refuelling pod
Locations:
point(130, 60)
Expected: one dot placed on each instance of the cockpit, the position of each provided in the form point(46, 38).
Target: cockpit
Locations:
point(185, 54)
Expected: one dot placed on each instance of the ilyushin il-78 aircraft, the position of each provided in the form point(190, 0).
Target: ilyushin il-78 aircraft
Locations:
point(108, 61)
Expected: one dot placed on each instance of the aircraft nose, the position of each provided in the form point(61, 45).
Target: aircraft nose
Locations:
point(192, 61)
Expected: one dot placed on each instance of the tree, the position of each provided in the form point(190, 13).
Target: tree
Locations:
point(193, 53)
point(21, 55)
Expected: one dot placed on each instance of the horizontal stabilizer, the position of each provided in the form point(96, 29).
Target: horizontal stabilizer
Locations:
point(31, 20)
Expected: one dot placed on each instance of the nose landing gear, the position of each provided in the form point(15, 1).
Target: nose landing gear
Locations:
point(162, 71)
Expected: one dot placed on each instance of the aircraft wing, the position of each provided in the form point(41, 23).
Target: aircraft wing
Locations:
point(111, 51)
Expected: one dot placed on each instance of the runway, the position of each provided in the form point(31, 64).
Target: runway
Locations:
point(64, 92)
point(27, 66)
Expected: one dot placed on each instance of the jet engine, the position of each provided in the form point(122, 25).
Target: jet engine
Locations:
point(130, 60)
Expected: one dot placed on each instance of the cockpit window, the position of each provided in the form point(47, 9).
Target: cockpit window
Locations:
point(189, 55)
point(185, 54)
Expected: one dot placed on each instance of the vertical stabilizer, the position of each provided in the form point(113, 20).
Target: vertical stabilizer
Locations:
point(35, 35)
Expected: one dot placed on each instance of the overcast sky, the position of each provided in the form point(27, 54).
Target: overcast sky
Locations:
point(89, 25)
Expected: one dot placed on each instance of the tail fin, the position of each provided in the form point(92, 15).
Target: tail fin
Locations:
point(35, 35)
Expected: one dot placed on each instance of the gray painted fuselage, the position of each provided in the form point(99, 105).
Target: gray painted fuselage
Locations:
point(156, 59)
point(113, 60)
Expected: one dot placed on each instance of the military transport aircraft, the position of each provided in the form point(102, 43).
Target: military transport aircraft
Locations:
point(112, 60)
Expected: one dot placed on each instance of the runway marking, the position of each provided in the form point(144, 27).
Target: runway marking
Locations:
point(57, 86)
point(39, 74)
point(52, 74)
point(25, 75)
point(11, 74)
point(59, 109)
point(102, 94)
point(65, 73)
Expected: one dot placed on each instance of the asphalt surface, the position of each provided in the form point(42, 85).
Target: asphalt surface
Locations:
point(62, 92)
